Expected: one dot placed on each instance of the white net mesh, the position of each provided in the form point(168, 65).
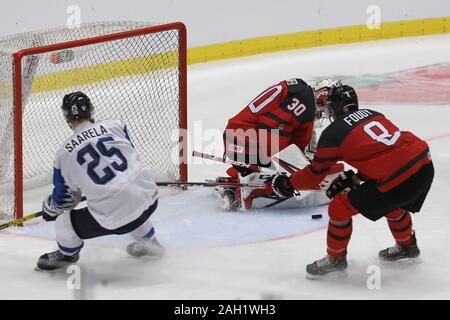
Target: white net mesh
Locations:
point(135, 79)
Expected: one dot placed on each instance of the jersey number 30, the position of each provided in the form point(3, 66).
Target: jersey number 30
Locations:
point(108, 172)
point(257, 105)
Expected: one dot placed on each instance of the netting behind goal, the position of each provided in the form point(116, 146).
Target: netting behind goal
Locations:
point(132, 71)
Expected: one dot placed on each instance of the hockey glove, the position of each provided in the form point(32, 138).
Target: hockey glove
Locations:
point(341, 183)
point(50, 210)
point(282, 187)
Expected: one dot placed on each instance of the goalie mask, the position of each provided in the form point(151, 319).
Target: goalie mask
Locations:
point(322, 90)
point(340, 101)
point(77, 105)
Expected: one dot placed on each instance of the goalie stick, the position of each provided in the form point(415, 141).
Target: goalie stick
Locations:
point(290, 168)
point(225, 160)
point(208, 183)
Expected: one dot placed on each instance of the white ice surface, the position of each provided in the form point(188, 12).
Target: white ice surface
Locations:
point(217, 255)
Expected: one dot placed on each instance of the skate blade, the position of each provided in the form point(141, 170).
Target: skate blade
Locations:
point(146, 257)
point(36, 268)
point(402, 262)
point(329, 276)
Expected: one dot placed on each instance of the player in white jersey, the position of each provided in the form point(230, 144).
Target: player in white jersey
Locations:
point(99, 161)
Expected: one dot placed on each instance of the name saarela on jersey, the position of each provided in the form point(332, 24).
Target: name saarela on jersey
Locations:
point(85, 136)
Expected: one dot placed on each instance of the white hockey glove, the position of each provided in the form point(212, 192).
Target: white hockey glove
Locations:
point(50, 210)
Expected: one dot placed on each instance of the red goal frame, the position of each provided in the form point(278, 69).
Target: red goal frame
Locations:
point(17, 76)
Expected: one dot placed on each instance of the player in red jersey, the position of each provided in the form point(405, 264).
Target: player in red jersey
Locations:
point(394, 176)
point(282, 115)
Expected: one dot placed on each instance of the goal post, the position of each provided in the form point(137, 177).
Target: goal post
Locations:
point(133, 71)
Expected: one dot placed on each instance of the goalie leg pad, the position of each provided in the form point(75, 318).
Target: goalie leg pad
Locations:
point(248, 194)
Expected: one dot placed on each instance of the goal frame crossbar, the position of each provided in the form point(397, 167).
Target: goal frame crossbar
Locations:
point(18, 101)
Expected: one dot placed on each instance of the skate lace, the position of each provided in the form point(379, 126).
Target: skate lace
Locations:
point(395, 249)
point(55, 256)
point(324, 261)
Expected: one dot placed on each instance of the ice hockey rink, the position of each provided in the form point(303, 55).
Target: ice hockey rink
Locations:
point(262, 254)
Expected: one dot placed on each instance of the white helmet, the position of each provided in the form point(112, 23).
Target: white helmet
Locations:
point(322, 89)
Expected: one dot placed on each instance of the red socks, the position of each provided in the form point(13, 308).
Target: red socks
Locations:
point(400, 223)
point(338, 237)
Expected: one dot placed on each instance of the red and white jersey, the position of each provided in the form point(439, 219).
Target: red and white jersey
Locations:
point(288, 106)
point(368, 141)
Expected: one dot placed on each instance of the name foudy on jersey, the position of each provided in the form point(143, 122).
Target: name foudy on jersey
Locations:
point(357, 116)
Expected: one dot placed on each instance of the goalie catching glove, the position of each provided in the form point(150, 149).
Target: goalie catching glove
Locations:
point(281, 186)
point(51, 209)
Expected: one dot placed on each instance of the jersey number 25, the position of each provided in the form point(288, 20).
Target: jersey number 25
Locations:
point(95, 154)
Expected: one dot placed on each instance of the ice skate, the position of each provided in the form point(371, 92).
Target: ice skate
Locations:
point(227, 199)
point(402, 254)
point(151, 248)
point(327, 266)
point(55, 260)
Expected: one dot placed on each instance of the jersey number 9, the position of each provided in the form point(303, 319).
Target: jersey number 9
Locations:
point(108, 171)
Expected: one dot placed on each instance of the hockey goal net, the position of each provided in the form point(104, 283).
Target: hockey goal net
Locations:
point(132, 71)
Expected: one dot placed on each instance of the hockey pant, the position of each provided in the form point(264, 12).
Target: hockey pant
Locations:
point(78, 225)
point(395, 204)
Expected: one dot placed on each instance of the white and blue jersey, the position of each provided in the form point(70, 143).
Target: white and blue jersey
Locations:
point(100, 159)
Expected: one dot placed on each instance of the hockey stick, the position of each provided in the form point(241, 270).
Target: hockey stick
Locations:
point(208, 183)
point(285, 165)
point(224, 160)
point(32, 216)
point(19, 222)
